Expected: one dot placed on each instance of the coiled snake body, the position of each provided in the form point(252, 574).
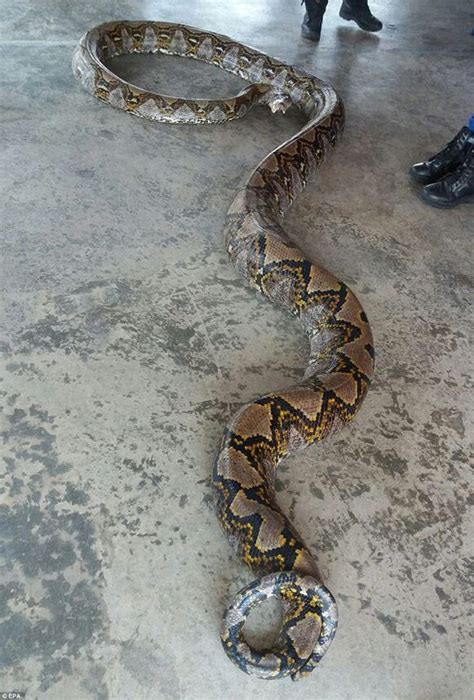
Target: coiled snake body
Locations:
point(341, 348)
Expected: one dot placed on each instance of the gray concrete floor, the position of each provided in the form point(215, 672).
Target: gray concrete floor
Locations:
point(130, 340)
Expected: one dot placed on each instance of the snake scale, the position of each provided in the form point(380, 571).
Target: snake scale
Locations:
point(341, 357)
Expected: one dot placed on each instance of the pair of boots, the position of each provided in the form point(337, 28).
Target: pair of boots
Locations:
point(356, 10)
point(448, 176)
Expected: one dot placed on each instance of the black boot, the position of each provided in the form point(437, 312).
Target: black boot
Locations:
point(444, 162)
point(313, 19)
point(358, 10)
point(454, 188)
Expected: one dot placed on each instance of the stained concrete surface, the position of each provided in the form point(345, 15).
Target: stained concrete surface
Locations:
point(129, 340)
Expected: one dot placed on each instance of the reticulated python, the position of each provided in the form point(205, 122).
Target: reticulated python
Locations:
point(341, 348)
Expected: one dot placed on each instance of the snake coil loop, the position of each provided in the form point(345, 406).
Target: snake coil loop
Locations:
point(308, 628)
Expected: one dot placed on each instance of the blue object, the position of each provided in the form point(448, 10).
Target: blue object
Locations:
point(470, 123)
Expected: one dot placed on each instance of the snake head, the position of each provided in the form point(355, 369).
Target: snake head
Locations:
point(277, 100)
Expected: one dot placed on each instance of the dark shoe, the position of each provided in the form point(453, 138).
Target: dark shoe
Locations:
point(311, 29)
point(313, 19)
point(444, 162)
point(453, 188)
point(358, 11)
